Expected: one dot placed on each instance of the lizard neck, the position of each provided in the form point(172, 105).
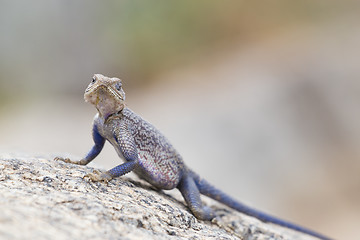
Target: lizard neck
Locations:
point(109, 117)
point(109, 108)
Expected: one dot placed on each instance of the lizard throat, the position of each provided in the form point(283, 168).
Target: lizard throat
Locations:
point(107, 108)
point(106, 100)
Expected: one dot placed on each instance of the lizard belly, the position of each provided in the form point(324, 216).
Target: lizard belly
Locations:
point(161, 173)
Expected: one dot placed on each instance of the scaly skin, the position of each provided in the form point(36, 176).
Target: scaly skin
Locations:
point(150, 155)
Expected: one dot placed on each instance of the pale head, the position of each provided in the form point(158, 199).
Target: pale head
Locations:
point(106, 94)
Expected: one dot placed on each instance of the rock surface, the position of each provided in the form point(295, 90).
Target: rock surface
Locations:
point(45, 199)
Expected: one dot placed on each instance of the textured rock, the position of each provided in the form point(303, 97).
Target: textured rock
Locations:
point(45, 199)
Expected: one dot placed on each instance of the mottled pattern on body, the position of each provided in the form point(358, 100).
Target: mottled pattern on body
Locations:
point(159, 163)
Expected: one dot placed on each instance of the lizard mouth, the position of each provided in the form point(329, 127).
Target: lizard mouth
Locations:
point(92, 93)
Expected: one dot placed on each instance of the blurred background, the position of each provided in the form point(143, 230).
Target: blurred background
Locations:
point(260, 97)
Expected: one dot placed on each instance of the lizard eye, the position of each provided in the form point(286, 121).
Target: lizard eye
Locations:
point(93, 80)
point(118, 86)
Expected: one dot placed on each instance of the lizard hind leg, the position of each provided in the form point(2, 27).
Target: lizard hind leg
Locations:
point(191, 194)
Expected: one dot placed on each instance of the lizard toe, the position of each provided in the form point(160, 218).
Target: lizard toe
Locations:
point(97, 176)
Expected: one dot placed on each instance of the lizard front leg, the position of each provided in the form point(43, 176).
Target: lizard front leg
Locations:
point(99, 142)
point(122, 169)
point(126, 144)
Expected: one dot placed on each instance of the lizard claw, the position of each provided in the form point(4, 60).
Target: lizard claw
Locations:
point(68, 160)
point(97, 176)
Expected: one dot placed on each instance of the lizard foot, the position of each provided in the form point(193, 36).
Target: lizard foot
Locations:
point(68, 160)
point(97, 176)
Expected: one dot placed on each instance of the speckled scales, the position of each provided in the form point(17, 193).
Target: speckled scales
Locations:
point(159, 163)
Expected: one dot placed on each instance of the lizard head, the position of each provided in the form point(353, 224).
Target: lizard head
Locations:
point(106, 94)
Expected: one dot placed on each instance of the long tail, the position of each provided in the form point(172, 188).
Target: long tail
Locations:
point(208, 190)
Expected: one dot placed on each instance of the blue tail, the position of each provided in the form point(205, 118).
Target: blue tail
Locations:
point(208, 190)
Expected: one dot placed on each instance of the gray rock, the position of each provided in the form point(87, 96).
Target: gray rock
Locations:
point(45, 199)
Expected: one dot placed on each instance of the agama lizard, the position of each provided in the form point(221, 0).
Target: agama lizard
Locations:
point(150, 155)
